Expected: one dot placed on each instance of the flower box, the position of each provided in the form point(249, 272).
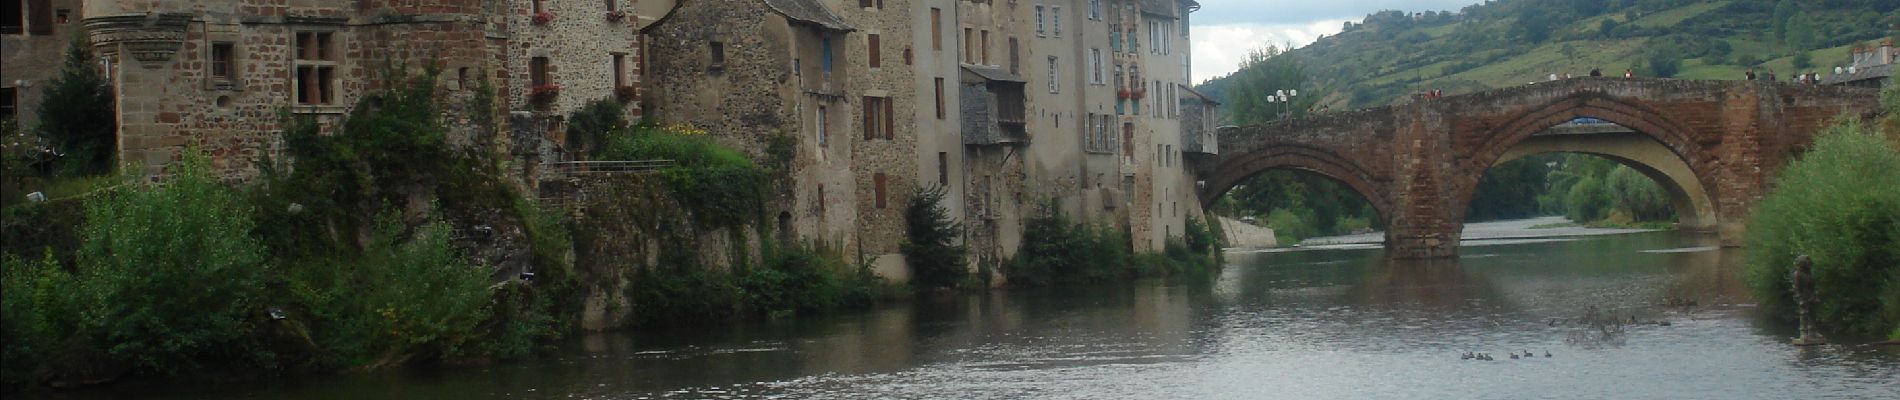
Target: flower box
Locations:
point(616, 15)
point(544, 93)
point(543, 18)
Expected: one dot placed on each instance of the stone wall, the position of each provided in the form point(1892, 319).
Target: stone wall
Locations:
point(33, 58)
point(160, 57)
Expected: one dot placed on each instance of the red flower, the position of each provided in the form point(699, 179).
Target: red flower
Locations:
point(543, 18)
point(545, 92)
point(1124, 93)
point(616, 15)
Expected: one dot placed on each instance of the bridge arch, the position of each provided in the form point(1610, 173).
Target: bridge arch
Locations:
point(1659, 148)
point(1302, 158)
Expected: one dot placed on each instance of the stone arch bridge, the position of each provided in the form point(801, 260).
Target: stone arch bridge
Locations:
point(1715, 146)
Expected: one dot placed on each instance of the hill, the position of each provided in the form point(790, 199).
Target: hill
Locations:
point(1504, 43)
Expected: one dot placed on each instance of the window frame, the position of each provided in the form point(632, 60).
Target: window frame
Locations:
point(326, 59)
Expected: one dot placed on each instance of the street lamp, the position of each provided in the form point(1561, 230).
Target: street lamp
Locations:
point(1284, 98)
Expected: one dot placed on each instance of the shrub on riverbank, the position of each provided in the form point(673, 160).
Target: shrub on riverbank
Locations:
point(930, 242)
point(309, 271)
point(794, 280)
point(1840, 205)
point(1056, 250)
point(721, 186)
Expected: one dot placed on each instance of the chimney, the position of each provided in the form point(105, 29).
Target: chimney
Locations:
point(1885, 54)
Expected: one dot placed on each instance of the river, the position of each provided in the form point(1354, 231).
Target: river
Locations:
point(1309, 324)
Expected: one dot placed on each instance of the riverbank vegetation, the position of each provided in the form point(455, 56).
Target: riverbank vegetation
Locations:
point(347, 260)
point(720, 188)
point(1839, 204)
point(1065, 252)
point(930, 244)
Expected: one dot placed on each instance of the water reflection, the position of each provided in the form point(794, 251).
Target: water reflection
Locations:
point(1310, 324)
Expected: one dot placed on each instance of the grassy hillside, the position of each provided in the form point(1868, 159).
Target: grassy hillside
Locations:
point(1512, 42)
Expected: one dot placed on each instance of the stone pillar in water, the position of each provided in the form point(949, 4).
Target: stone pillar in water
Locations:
point(1805, 299)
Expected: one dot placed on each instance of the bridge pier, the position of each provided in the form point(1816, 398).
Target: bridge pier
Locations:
point(1420, 246)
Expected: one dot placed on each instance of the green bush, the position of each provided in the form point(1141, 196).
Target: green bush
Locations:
point(407, 296)
point(794, 280)
point(1640, 196)
point(721, 186)
point(1290, 228)
point(39, 317)
point(1840, 205)
point(1587, 201)
point(169, 275)
point(930, 244)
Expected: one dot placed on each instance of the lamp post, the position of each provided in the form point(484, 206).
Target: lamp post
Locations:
point(1283, 97)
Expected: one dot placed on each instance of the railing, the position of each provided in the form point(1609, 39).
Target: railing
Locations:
point(605, 167)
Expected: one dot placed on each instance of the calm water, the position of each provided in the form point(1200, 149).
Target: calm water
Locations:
point(1301, 325)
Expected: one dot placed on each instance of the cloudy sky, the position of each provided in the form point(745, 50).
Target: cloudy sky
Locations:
point(1224, 30)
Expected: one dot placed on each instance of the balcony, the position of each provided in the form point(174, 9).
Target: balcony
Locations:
point(993, 109)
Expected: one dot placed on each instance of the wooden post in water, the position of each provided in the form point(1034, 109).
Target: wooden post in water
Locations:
point(1805, 299)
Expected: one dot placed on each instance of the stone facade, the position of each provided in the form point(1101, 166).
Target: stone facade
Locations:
point(1009, 106)
point(32, 48)
point(1419, 161)
point(215, 75)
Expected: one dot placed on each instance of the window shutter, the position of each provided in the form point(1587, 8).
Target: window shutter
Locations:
point(42, 16)
point(890, 131)
point(870, 118)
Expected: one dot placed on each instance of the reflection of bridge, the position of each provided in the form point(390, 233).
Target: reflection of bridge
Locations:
point(1714, 145)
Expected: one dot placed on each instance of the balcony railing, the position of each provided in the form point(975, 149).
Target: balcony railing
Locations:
point(605, 167)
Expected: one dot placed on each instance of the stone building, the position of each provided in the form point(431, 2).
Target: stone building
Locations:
point(34, 35)
point(1010, 106)
point(217, 74)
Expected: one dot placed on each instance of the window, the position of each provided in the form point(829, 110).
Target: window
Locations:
point(620, 70)
point(41, 13)
point(12, 20)
point(874, 50)
point(61, 16)
point(1095, 66)
point(9, 103)
point(877, 185)
point(540, 6)
point(878, 123)
point(1055, 21)
point(825, 48)
point(538, 71)
point(907, 56)
point(613, 5)
point(718, 50)
point(939, 98)
point(936, 29)
point(969, 46)
point(823, 134)
point(1054, 78)
point(1015, 58)
point(1095, 10)
point(984, 47)
point(943, 168)
point(821, 199)
point(316, 68)
point(223, 60)
point(1040, 31)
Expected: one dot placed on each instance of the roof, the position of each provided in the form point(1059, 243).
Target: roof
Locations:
point(1197, 93)
point(1163, 8)
point(809, 11)
point(993, 73)
point(1860, 74)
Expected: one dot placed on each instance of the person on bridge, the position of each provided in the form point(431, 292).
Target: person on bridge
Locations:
point(1629, 73)
point(1750, 74)
point(1596, 72)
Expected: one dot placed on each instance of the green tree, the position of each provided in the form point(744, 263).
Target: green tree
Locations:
point(1638, 195)
point(1801, 32)
point(1803, 60)
point(170, 274)
point(1264, 72)
point(930, 246)
point(1784, 11)
point(75, 114)
point(1840, 205)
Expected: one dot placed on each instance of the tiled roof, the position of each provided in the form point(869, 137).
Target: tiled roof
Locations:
point(1163, 8)
point(1197, 93)
point(809, 11)
point(1861, 74)
point(993, 73)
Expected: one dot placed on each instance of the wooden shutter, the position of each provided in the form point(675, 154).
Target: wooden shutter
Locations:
point(877, 55)
point(41, 14)
point(870, 118)
point(890, 127)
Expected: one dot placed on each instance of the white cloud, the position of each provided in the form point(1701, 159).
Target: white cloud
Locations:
point(1219, 49)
